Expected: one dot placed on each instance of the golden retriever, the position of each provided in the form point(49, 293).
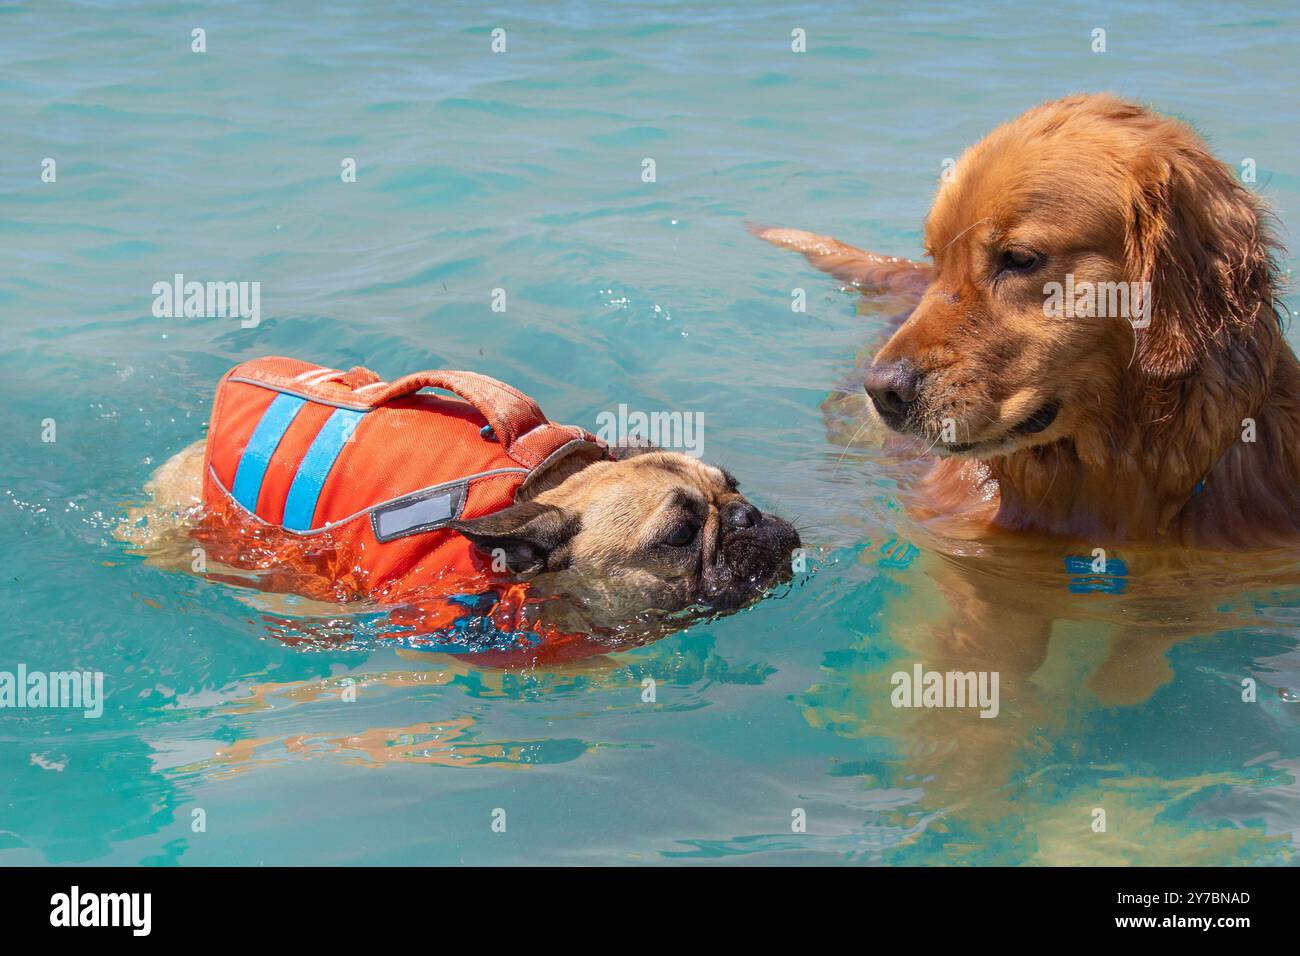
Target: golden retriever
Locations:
point(1162, 436)
point(1177, 421)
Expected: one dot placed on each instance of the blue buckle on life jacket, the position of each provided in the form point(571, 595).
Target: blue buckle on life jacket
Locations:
point(1083, 580)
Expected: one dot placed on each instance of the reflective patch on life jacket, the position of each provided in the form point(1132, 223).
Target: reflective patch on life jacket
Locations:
point(421, 511)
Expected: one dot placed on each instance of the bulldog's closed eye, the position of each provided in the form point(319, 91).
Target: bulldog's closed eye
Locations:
point(682, 534)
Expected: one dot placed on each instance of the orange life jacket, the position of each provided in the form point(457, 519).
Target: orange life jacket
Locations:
point(338, 486)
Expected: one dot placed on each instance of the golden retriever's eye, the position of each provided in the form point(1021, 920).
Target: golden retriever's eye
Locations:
point(1018, 260)
point(682, 535)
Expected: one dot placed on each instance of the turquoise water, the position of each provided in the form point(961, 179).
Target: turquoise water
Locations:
point(522, 171)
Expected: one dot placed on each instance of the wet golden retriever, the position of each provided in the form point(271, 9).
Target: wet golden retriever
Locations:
point(1097, 350)
point(1093, 365)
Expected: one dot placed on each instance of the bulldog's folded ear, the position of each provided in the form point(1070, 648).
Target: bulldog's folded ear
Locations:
point(531, 537)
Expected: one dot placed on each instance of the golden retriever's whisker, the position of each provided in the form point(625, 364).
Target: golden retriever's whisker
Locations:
point(929, 448)
point(963, 232)
point(849, 447)
point(1051, 482)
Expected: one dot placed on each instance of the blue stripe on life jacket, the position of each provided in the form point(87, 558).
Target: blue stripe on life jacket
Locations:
point(253, 463)
point(300, 505)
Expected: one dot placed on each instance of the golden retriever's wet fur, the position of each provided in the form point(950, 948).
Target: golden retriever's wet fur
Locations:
point(1151, 436)
point(1106, 191)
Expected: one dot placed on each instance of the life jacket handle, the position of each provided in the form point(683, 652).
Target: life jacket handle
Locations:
point(518, 424)
point(509, 411)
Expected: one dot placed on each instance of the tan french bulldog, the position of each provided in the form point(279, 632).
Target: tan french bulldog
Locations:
point(648, 534)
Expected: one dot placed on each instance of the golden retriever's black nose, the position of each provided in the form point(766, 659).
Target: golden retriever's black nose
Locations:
point(893, 388)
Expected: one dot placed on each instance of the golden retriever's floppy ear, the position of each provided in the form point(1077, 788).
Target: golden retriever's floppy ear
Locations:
point(1196, 241)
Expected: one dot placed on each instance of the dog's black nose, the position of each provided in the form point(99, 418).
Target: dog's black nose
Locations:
point(741, 514)
point(893, 387)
